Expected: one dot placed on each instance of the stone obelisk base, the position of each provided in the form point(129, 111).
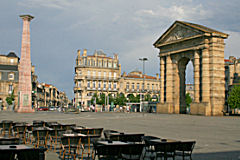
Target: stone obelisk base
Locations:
point(25, 104)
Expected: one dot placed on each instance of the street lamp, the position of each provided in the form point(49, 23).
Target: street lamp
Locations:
point(143, 60)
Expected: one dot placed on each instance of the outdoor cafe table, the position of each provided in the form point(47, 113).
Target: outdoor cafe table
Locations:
point(21, 152)
point(9, 140)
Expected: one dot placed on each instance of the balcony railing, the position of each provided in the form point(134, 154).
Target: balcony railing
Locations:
point(102, 78)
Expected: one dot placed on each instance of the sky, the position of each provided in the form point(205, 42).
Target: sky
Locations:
point(126, 27)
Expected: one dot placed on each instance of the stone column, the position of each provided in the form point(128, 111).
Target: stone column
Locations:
point(25, 81)
point(169, 79)
point(205, 76)
point(196, 76)
point(162, 62)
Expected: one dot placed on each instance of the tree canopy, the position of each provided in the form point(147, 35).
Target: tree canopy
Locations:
point(234, 97)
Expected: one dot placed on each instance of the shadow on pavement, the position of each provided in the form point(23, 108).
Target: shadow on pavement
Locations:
point(231, 155)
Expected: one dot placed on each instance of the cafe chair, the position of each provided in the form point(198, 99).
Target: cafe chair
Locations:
point(132, 152)
point(20, 132)
point(165, 150)
point(108, 132)
point(70, 147)
point(40, 138)
point(184, 149)
point(106, 152)
point(149, 146)
point(6, 126)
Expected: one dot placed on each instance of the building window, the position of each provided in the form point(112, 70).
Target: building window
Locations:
point(88, 63)
point(142, 86)
point(79, 83)
point(88, 84)
point(109, 85)
point(11, 76)
point(115, 75)
point(152, 86)
point(121, 85)
point(115, 86)
point(127, 86)
point(104, 74)
point(110, 75)
point(114, 65)
point(93, 63)
point(99, 74)
point(99, 63)
point(132, 85)
point(79, 72)
point(89, 73)
point(104, 85)
point(94, 84)
point(109, 64)
point(148, 86)
point(94, 73)
point(10, 89)
point(99, 85)
point(137, 86)
point(104, 64)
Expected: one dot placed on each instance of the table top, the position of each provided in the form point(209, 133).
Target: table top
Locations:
point(43, 129)
point(112, 142)
point(74, 135)
point(15, 147)
point(164, 141)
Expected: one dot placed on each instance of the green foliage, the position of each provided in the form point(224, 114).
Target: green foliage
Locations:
point(188, 100)
point(234, 97)
point(120, 100)
point(10, 98)
point(148, 97)
point(134, 99)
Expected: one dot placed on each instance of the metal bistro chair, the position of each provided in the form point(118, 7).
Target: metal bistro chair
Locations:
point(132, 151)
point(107, 152)
point(6, 126)
point(55, 137)
point(184, 149)
point(20, 131)
point(70, 146)
point(40, 137)
point(165, 150)
point(149, 146)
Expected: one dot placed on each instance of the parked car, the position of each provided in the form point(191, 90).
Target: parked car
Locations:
point(43, 109)
point(52, 108)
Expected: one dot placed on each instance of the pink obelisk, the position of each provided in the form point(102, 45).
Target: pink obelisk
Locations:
point(25, 79)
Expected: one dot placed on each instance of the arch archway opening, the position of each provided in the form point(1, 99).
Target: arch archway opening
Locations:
point(185, 68)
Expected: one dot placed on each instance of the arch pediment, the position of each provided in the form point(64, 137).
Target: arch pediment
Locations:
point(183, 30)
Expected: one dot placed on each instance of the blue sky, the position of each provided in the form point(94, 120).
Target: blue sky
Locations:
point(126, 27)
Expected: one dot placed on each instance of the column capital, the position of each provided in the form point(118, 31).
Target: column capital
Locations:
point(26, 17)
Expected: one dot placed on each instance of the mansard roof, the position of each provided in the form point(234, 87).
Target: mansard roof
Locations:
point(12, 54)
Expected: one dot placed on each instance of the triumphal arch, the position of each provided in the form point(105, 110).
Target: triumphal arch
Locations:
point(184, 42)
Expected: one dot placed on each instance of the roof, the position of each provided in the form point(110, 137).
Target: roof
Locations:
point(12, 54)
point(194, 26)
point(9, 67)
point(202, 28)
point(137, 76)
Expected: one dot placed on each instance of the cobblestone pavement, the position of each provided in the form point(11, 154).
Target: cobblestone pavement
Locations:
point(217, 137)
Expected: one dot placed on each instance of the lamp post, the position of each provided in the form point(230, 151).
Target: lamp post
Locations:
point(143, 60)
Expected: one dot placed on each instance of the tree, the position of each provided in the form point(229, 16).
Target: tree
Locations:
point(10, 98)
point(147, 97)
point(234, 97)
point(188, 100)
point(120, 100)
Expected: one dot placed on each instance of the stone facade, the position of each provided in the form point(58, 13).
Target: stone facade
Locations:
point(100, 74)
point(184, 42)
point(48, 95)
point(9, 77)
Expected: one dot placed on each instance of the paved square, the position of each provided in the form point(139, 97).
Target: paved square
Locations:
point(217, 137)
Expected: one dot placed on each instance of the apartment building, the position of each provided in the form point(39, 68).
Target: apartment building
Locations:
point(9, 80)
point(101, 74)
point(95, 73)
